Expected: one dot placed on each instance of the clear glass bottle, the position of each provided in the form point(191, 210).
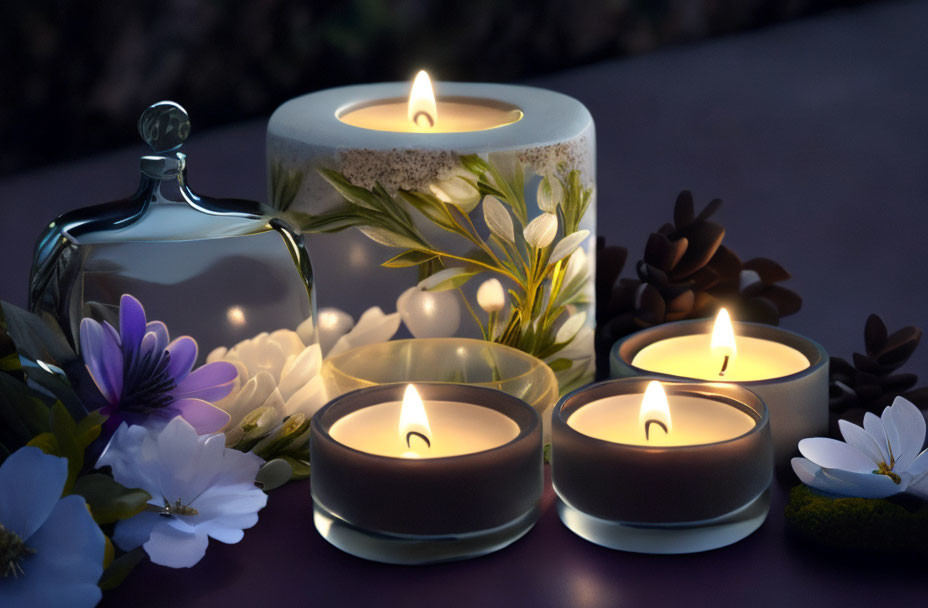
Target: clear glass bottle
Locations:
point(220, 270)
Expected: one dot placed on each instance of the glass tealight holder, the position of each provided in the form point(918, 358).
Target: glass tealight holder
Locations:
point(645, 498)
point(410, 507)
point(449, 360)
point(220, 270)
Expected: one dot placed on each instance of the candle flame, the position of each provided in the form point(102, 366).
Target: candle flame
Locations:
point(422, 109)
point(413, 428)
point(655, 410)
point(723, 334)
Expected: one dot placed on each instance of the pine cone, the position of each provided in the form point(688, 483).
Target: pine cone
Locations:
point(687, 273)
point(870, 383)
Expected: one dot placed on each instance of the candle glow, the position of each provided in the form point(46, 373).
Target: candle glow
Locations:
point(654, 409)
point(422, 110)
point(413, 426)
point(723, 339)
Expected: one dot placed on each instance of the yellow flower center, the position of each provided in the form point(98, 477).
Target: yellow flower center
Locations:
point(887, 469)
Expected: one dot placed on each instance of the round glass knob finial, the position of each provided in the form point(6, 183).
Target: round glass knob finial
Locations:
point(164, 126)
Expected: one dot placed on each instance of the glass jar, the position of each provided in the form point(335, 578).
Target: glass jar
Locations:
point(220, 270)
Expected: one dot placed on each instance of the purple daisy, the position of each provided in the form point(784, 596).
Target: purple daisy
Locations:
point(145, 377)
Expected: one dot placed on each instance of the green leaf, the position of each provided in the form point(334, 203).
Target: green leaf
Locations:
point(45, 442)
point(432, 208)
point(474, 164)
point(65, 431)
point(388, 237)
point(353, 194)
point(412, 257)
point(450, 278)
point(36, 337)
point(120, 568)
point(559, 365)
point(300, 467)
point(22, 415)
point(89, 428)
point(108, 552)
point(108, 500)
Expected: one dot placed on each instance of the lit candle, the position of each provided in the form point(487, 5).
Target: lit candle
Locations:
point(393, 167)
point(721, 356)
point(421, 113)
point(789, 372)
point(640, 469)
point(649, 420)
point(406, 429)
point(406, 478)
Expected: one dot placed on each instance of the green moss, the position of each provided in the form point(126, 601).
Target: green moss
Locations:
point(893, 525)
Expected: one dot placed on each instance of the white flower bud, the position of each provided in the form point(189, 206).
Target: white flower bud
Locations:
point(550, 194)
point(541, 231)
point(498, 219)
point(491, 296)
point(456, 191)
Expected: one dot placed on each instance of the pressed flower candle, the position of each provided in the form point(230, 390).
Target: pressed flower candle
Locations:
point(403, 478)
point(435, 190)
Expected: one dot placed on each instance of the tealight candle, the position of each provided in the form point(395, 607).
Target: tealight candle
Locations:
point(413, 178)
point(403, 478)
point(789, 372)
point(677, 468)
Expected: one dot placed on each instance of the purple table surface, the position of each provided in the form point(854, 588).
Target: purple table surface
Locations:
point(816, 135)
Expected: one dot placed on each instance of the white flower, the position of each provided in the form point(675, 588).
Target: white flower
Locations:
point(456, 191)
point(541, 231)
point(498, 219)
point(373, 326)
point(275, 371)
point(491, 296)
point(430, 314)
point(878, 460)
point(51, 551)
point(200, 490)
point(550, 194)
point(567, 245)
point(570, 328)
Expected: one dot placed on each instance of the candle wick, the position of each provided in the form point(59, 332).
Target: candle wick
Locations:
point(425, 115)
point(410, 435)
point(724, 366)
point(647, 427)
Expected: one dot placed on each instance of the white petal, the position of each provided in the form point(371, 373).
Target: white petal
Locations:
point(805, 469)
point(550, 193)
point(373, 326)
point(834, 454)
point(874, 426)
point(288, 340)
point(541, 231)
point(864, 485)
point(133, 532)
point(498, 219)
point(333, 324)
point(570, 328)
point(577, 266)
point(567, 245)
point(458, 192)
point(299, 370)
point(862, 440)
point(171, 547)
point(185, 466)
point(31, 482)
point(308, 399)
point(307, 330)
point(449, 278)
point(909, 426)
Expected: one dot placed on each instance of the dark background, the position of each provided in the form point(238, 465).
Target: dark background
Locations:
point(76, 75)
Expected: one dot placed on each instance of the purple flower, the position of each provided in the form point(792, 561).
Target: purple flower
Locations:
point(145, 377)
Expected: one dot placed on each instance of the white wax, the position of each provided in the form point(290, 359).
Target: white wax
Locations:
point(454, 116)
point(696, 421)
point(692, 357)
point(456, 428)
